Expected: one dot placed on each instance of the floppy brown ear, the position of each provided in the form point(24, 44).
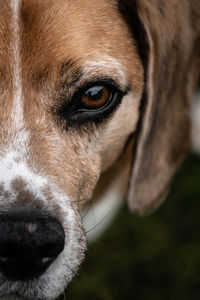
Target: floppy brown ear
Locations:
point(165, 42)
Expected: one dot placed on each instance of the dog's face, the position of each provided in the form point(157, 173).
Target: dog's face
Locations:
point(77, 78)
point(69, 70)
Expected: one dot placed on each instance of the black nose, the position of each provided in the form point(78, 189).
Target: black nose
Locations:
point(30, 240)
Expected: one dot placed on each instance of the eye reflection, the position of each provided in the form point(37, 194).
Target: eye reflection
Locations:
point(95, 97)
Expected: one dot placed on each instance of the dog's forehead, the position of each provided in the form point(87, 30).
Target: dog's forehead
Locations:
point(51, 32)
point(73, 24)
point(55, 32)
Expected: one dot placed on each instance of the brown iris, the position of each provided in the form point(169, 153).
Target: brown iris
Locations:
point(95, 97)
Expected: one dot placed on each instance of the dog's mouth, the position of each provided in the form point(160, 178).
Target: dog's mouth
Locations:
point(27, 290)
point(13, 297)
point(19, 292)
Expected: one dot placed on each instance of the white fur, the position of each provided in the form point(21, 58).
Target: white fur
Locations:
point(107, 65)
point(13, 165)
point(17, 112)
point(12, 169)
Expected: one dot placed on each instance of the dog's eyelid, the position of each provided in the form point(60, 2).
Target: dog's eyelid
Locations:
point(94, 80)
point(105, 81)
point(74, 113)
point(68, 94)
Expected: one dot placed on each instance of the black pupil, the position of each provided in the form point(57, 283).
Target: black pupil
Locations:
point(95, 93)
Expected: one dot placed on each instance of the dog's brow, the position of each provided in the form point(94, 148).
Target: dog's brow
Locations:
point(71, 73)
point(106, 67)
point(76, 73)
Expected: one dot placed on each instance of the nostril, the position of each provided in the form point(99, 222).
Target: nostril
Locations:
point(30, 241)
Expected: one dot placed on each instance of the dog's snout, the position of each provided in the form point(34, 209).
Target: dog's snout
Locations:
point(30, 240)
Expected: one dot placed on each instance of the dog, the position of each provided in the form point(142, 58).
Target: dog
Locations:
point(92, 93)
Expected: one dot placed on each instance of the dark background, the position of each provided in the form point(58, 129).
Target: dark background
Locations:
point(155, 257)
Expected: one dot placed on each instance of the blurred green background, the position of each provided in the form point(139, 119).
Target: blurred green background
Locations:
point(155, 257)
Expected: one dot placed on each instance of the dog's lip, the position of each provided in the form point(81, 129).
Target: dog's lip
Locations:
point(15, 296)
point(20, 292)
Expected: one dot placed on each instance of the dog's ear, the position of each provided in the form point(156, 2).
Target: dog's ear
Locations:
point(163, 133)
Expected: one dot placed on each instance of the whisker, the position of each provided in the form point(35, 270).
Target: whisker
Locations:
point(78, 201)
point(87, 210)
point(99, 223)
point(64, 295)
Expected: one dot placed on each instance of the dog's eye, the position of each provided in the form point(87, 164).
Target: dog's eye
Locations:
point(92, 103)
point(95, 97)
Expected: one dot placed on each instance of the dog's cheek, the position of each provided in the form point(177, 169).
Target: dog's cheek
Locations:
point(85, 161)
point(90, 177)
point(75, 167)
point(122, 124)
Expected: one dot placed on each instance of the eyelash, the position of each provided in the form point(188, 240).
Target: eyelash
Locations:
point(74, 115)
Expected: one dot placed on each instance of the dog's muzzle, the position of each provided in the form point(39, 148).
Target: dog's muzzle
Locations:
point(30, 240)
point(42, 241)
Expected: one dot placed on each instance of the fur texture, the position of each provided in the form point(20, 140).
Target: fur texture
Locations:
point(147, 53)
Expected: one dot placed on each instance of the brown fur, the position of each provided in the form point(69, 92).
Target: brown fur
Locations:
point(74, 160)
point(47, 64)
point(150, 46)
point(42, 62)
